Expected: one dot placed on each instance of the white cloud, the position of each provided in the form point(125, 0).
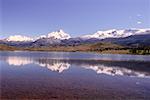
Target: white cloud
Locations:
point(139, 22)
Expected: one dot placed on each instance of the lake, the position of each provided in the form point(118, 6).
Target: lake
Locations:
point(74, 76)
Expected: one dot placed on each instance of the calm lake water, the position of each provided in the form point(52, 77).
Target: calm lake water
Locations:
point(74, 76)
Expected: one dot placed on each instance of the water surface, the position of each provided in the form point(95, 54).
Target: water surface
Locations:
point(74, 75)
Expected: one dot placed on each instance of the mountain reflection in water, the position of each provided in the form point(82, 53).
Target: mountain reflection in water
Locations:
point(122, 68)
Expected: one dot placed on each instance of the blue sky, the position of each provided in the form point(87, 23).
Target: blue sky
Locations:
point(76, 17)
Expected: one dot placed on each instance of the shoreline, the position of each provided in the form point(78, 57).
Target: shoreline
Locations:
point(125, 52)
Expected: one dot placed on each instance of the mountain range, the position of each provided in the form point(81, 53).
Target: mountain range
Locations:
point(126, 37)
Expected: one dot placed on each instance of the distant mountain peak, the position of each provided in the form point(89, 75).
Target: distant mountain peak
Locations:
point(19, 38)
point(114, 33)
point(60, 34)
point(61, 37)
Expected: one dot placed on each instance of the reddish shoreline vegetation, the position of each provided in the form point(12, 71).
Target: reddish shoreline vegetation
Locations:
point(101, 47)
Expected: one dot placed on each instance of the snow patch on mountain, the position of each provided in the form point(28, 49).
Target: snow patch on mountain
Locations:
point(114, 33)
point(57, 35)
point(19, 38)
point(60, 35)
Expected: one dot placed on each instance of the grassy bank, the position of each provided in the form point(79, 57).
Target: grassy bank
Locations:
point(103, 48)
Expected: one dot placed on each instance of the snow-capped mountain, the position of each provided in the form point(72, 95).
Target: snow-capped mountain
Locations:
point(57, 35)
point(60, 35)
point(53, 38)
point(114, 33)
point(19, 38)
